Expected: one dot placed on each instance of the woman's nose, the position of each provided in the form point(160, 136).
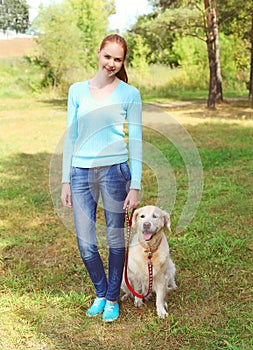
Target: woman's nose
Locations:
point(111, 62)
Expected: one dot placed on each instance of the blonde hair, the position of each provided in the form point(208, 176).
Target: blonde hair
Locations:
point(116, 38)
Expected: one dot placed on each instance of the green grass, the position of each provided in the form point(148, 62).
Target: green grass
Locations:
point(45, 290)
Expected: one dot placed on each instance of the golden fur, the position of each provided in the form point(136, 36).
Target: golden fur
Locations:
point(150, 222)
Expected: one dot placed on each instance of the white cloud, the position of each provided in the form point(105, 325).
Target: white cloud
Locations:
point(127, 13)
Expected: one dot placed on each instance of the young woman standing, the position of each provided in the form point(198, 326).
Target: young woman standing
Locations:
point(95, 162)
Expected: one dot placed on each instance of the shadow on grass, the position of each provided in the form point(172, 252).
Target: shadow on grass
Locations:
point(60, 103)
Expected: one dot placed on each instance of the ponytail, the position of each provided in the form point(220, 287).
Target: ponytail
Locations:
point(122, 74)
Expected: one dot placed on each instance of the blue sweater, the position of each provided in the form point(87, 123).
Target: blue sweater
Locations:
point(95, 133)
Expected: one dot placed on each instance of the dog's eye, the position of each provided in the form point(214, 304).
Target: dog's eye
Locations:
point(154, 216)
point(142, 216)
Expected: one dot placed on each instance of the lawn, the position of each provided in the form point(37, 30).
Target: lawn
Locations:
point(44, 289)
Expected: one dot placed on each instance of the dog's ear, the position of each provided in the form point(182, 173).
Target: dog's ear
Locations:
point(135, 216)
point(166, 217)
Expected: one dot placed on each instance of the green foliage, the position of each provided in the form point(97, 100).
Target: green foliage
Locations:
point(165, 4)
point(191, 56)
point(71, 34)
point(19, 78)
point(91, 18)
point(162, 28)
point(59, 45)
point(22, 77)
point(139, 53)
point(190, 51)
point(235, 58)
point(235, 17)
point(173, 19)
point(158, 38)
point(14, 15)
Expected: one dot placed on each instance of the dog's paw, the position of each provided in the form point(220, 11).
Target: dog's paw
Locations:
point(124, 297)
point(172, 287)
point(138, 302)
point(161, 312)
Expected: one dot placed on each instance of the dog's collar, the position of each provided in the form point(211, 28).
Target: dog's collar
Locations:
point(151, 248)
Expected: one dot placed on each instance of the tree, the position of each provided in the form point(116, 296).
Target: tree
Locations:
point(219, 92)
point(165, 4)
point(251, 63)
point(71, 33)
point(138, 53)
point(212, 41)
point(237, 19)
point(14, 15)
point(92, 20)
point(197, 19)
point(58, 47)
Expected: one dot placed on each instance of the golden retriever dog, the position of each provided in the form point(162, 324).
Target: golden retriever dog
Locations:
point(150, 238)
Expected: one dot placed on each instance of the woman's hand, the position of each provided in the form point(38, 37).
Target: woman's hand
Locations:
point(133, 199)
point(66, 195)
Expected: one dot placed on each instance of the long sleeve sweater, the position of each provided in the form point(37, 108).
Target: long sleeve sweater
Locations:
point(95, 134)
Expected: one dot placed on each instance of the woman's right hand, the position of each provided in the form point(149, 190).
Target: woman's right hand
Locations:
point(66, 195)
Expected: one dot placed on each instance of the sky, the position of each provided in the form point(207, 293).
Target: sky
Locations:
point(126, 11)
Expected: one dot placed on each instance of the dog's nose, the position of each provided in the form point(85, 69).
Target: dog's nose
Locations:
point(146, 225)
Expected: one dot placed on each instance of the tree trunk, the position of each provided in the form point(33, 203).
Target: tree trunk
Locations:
point(212, 75)
point(251, 64)
point(210, 41)
point(219, 93)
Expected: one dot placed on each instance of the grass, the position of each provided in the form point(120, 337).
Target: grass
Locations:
point(21, 77)
point(44, 289)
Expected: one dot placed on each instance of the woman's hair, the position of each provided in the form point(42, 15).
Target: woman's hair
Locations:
point(116, 38)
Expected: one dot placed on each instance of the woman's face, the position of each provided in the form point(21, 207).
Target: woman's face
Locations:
point(111, 59)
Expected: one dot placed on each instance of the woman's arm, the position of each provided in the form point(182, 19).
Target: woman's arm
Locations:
point(134, 115)
point(70, 136)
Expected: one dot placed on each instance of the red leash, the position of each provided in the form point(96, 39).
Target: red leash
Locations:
point(150, 265)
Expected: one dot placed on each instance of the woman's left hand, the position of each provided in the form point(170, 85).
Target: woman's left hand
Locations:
point(133, 199)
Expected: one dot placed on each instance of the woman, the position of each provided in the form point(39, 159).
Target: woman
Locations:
point(95, 162)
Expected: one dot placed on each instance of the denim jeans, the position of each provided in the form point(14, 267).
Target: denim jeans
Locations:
point(87, 184)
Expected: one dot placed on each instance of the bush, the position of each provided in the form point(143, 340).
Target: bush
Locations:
point(19, 78)
point(192, 57)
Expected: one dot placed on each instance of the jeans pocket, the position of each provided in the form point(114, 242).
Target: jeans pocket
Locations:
point(74, 172)
point(124, 171)
point(78, 173)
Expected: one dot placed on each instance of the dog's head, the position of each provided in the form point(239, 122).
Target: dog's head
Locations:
point(150, 220)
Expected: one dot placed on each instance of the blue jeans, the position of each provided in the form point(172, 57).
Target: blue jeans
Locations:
point(86, 186)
